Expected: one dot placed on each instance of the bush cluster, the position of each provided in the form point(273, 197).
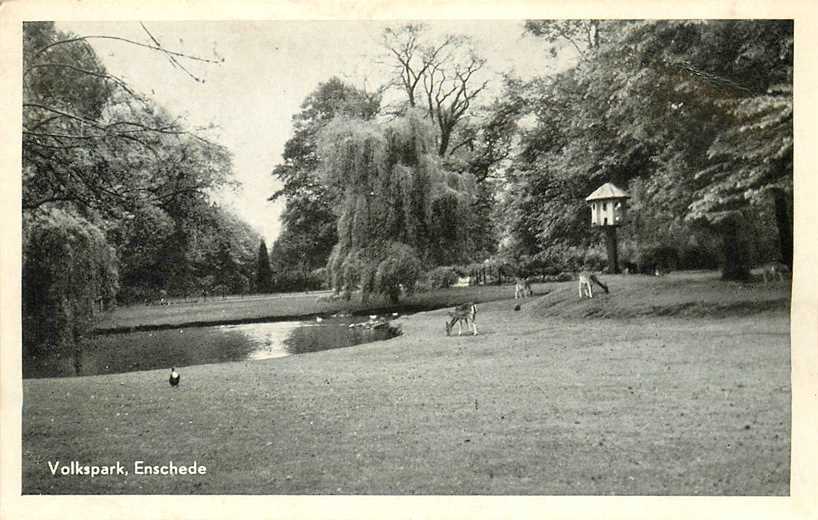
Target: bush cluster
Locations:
point(442, 277)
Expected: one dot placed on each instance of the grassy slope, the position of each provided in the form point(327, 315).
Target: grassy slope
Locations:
point(536, 404)
point(684, 294)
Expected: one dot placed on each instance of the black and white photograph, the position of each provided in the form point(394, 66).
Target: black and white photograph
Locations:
point(541, 256)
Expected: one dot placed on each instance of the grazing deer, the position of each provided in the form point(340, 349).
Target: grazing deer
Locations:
point(585, 279)
point(522, 288)
point(462, 313)
point(774, 269)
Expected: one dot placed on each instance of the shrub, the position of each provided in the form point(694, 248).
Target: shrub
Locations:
point(293, 281)
point(400, 268)
point(559, 277)
point(221, 290)
point(595, 259)
point(318, 279)
point(658, 257)
point(332, 297)
point(698, 257)
point(442, 277)
point(539, 264)
point(135, 294)
point(422, 286)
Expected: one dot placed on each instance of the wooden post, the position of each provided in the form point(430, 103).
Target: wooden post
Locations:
point(613, 260)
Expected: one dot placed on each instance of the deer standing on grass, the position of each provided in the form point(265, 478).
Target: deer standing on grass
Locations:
point(462, 313)
point(585, 279)
point(522, 288)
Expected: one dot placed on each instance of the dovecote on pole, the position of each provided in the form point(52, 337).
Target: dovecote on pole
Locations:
point(608, 211)
point(607, 205)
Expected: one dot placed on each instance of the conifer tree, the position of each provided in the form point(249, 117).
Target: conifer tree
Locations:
point(264, 275)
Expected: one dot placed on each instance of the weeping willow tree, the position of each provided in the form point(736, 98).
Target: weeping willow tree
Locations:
point(392, 183)
point(69, 276)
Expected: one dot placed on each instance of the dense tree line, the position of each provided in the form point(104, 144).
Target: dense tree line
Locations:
point(692, 118)
point(116, 195)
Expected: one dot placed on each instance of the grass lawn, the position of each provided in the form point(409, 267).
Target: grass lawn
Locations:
point(677, 385)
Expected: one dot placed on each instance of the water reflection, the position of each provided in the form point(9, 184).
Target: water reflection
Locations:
point(148, 350)
point(265, 339)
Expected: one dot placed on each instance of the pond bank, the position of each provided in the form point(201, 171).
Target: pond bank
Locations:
point(184, 347)
point(399, 309)
point(285, 307)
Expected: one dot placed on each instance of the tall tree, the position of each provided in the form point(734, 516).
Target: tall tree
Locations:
point(489, 141)
point(583, 35)
point(438, 76)
point(729, 83)
point(391, 179)
point(309, 216)
point(264, 275)
point(115, 178)
point(224, 251)
point(69, 276)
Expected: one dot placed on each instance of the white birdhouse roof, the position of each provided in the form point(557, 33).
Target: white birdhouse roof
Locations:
point(607, 191)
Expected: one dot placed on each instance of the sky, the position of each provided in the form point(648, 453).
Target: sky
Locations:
point(268, 70)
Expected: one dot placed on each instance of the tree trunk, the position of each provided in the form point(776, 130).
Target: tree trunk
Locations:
point(784, 223)
point(613, 257)
point(736, 250)
point(394, 296)
point(445, 136)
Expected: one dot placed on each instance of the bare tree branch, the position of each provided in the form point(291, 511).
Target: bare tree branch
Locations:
point(442, 72)
point(171, 129)
point(171, 58)
point(93, 153)
point(38, 52)
point(118, 81)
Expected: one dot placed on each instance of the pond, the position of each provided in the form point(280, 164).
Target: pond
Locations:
point(147, 350)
